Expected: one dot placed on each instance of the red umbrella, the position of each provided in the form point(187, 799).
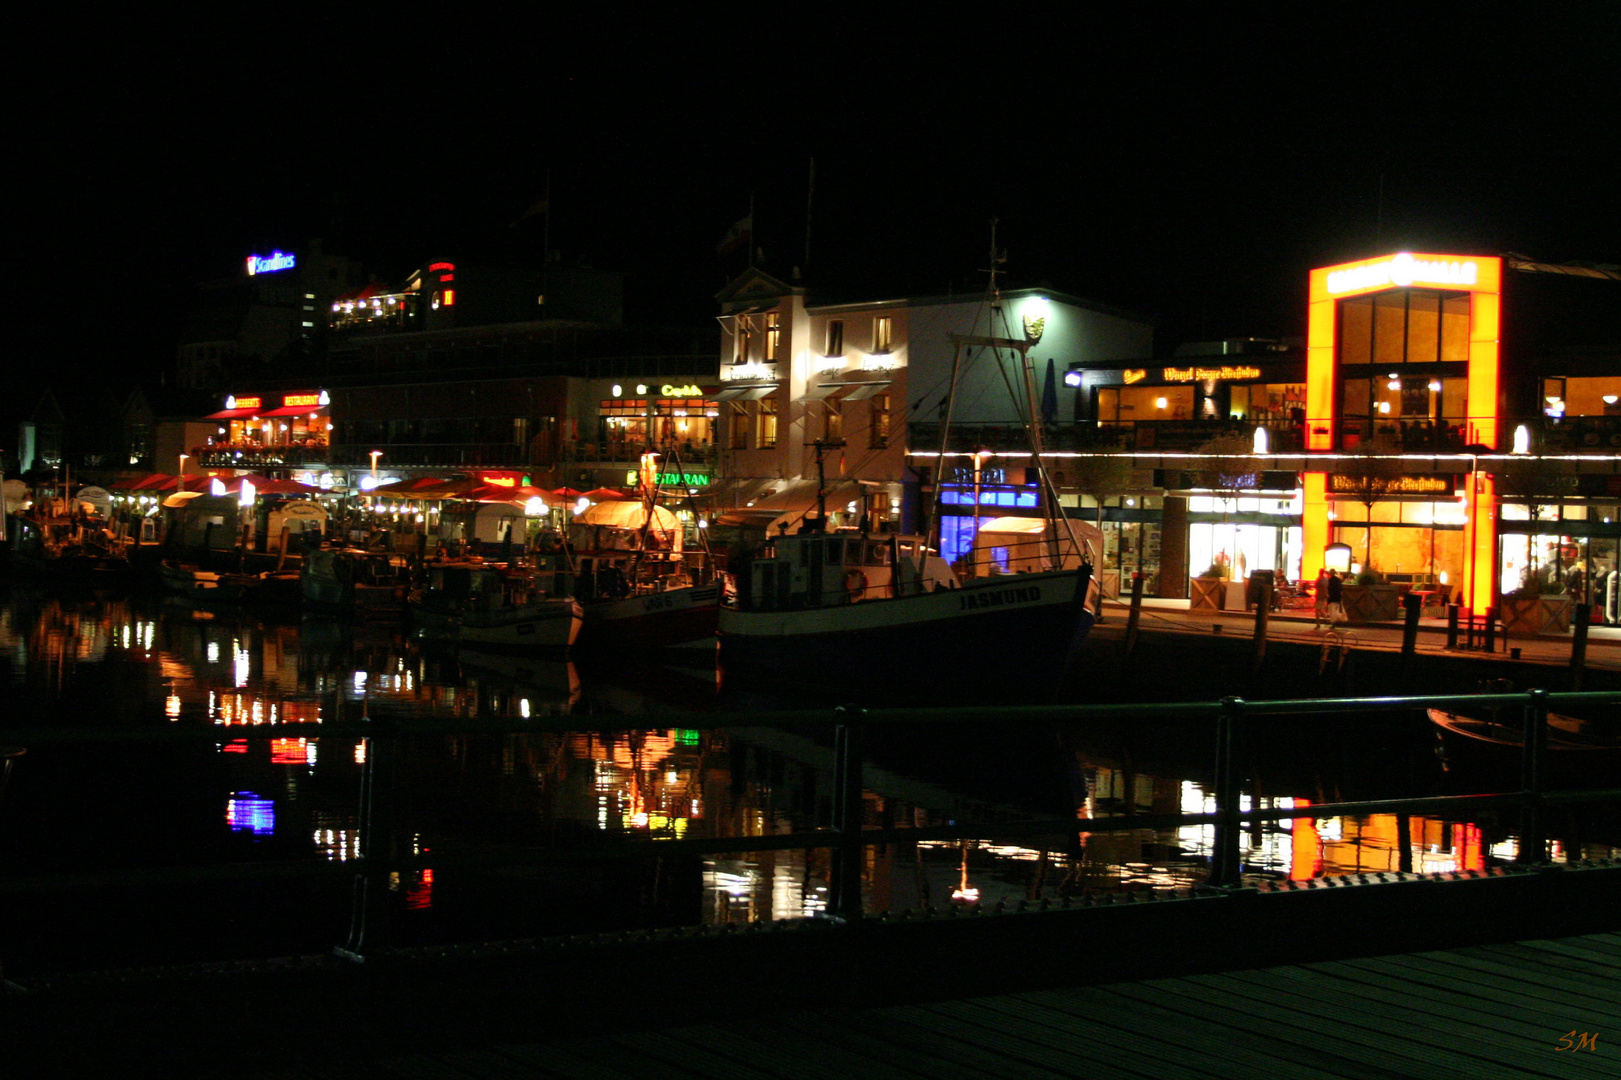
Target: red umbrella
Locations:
point(603, 494)
point(565, 493)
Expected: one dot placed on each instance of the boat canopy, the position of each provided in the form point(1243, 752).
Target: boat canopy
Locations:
point(627, 515)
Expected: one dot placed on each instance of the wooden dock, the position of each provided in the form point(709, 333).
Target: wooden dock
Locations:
point(1534, 1008)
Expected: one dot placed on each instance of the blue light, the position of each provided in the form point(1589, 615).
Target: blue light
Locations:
point(269, 264)
point(1072, 378)
point(245, 811)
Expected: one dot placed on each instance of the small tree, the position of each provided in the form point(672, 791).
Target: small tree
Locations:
point(1538, 481)
point(1100, 477)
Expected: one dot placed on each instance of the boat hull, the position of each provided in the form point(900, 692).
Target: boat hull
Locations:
point(551, 626)
point(673, 619)
point(949, 637)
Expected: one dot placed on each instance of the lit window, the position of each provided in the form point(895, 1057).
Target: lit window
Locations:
point(773, 335)
point(882, 330)
point(768, 423)
point(835, 339)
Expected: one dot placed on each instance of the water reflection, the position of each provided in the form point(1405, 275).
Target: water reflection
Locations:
point(486, 831)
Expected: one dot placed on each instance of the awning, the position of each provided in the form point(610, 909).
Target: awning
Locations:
point(745, 393)
point(293, 410)
point(863, 391)
point(825, 390)
point(234, 414)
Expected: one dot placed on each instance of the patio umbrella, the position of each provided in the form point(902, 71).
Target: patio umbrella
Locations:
point(603, 494)
point(566, 493)
point(519, 494)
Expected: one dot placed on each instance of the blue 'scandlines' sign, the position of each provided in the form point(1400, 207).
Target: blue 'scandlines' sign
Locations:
point(269, 264)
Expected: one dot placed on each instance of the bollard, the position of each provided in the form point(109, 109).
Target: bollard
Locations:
point(1452, 626)
point(1262, 608)
point(1578, 644)
point(1135, 615)
point(1409, 630)
point(1491, 631)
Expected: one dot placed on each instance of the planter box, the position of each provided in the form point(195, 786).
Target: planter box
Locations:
point(1209, 594)
point(1528, 616)
point(1371, 603)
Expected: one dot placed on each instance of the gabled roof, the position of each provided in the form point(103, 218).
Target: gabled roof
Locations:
point(753, 286)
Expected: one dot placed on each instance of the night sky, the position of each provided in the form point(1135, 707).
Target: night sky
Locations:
point(1189, 170)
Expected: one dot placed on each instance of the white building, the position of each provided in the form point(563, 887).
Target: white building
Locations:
point(859, 385)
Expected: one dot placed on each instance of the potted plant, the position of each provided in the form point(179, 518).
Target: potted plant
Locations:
point(1210, 588)
point(1370, 598)
point(1535, 607)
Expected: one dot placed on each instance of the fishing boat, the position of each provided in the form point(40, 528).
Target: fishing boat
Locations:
point(64, 551)
point(853, 608)
point(354, 582)
point(492, 606)
point(640, 589)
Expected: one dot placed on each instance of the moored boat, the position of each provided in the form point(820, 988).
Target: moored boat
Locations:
point(856, 610)
point(354, 582)
point(195, 583)
point(640, 589)
point(1508, 729)
point(486, 605)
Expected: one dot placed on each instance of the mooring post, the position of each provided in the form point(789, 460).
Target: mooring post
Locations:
point(1224, 863)
point(1263, 608)
point(1409, 630)
point(845, 886)
point(1491, 631)
point(1533, 844)
point(1578, 645)
point(1452, 626)
point(1135, 614)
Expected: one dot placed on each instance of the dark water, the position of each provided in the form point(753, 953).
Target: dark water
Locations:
point(131, 852)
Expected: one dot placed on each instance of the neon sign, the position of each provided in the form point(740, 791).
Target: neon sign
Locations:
point(1133, 375)
point(1201, 374)
point(292, 401)
point(243, 402)
point(441, 266)
point(1403, 270)
point(680, 391)
point(260, 264)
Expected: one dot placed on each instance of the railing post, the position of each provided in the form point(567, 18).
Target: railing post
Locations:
point(1262, 611)
point(1224, 862)
point(369, 915)
point(845, 886)
point(1533, 844)
point(1491, 631)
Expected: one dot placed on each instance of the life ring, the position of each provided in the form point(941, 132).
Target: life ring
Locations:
point(855, 583)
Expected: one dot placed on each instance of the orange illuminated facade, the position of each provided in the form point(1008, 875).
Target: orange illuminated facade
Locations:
point(1403, 350)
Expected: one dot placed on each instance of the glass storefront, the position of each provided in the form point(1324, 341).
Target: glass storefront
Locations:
point(1243, 540)
point(1414, 542)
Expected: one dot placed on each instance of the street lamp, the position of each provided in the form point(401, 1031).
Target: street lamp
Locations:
point(375, 454)
point(180, 481)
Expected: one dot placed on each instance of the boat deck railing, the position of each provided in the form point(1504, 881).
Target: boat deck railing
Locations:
point(381, 857)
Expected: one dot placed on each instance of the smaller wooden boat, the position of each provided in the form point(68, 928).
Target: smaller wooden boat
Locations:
point(218, 587)
point(488, 605)
point(1506, 729)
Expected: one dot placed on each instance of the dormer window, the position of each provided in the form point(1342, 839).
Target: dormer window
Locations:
point(773, 335)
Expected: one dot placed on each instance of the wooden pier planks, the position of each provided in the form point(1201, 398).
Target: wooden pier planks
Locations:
point(1494, 1010)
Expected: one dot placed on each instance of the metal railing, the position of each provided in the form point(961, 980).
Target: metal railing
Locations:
point(848, 835)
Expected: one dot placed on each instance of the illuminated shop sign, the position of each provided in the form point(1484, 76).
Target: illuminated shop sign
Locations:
point(298, 401)
point(633, 478)
point(269, 264)
point(244, 402)
point(1133, 375)
point(1205, 374)
point(1402, 270)
point(1361, 486)
point(680, 391)
point(441, 266)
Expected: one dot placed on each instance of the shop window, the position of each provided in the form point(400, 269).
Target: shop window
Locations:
point(833, 422)
point(880, 420)
point(768, 423)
